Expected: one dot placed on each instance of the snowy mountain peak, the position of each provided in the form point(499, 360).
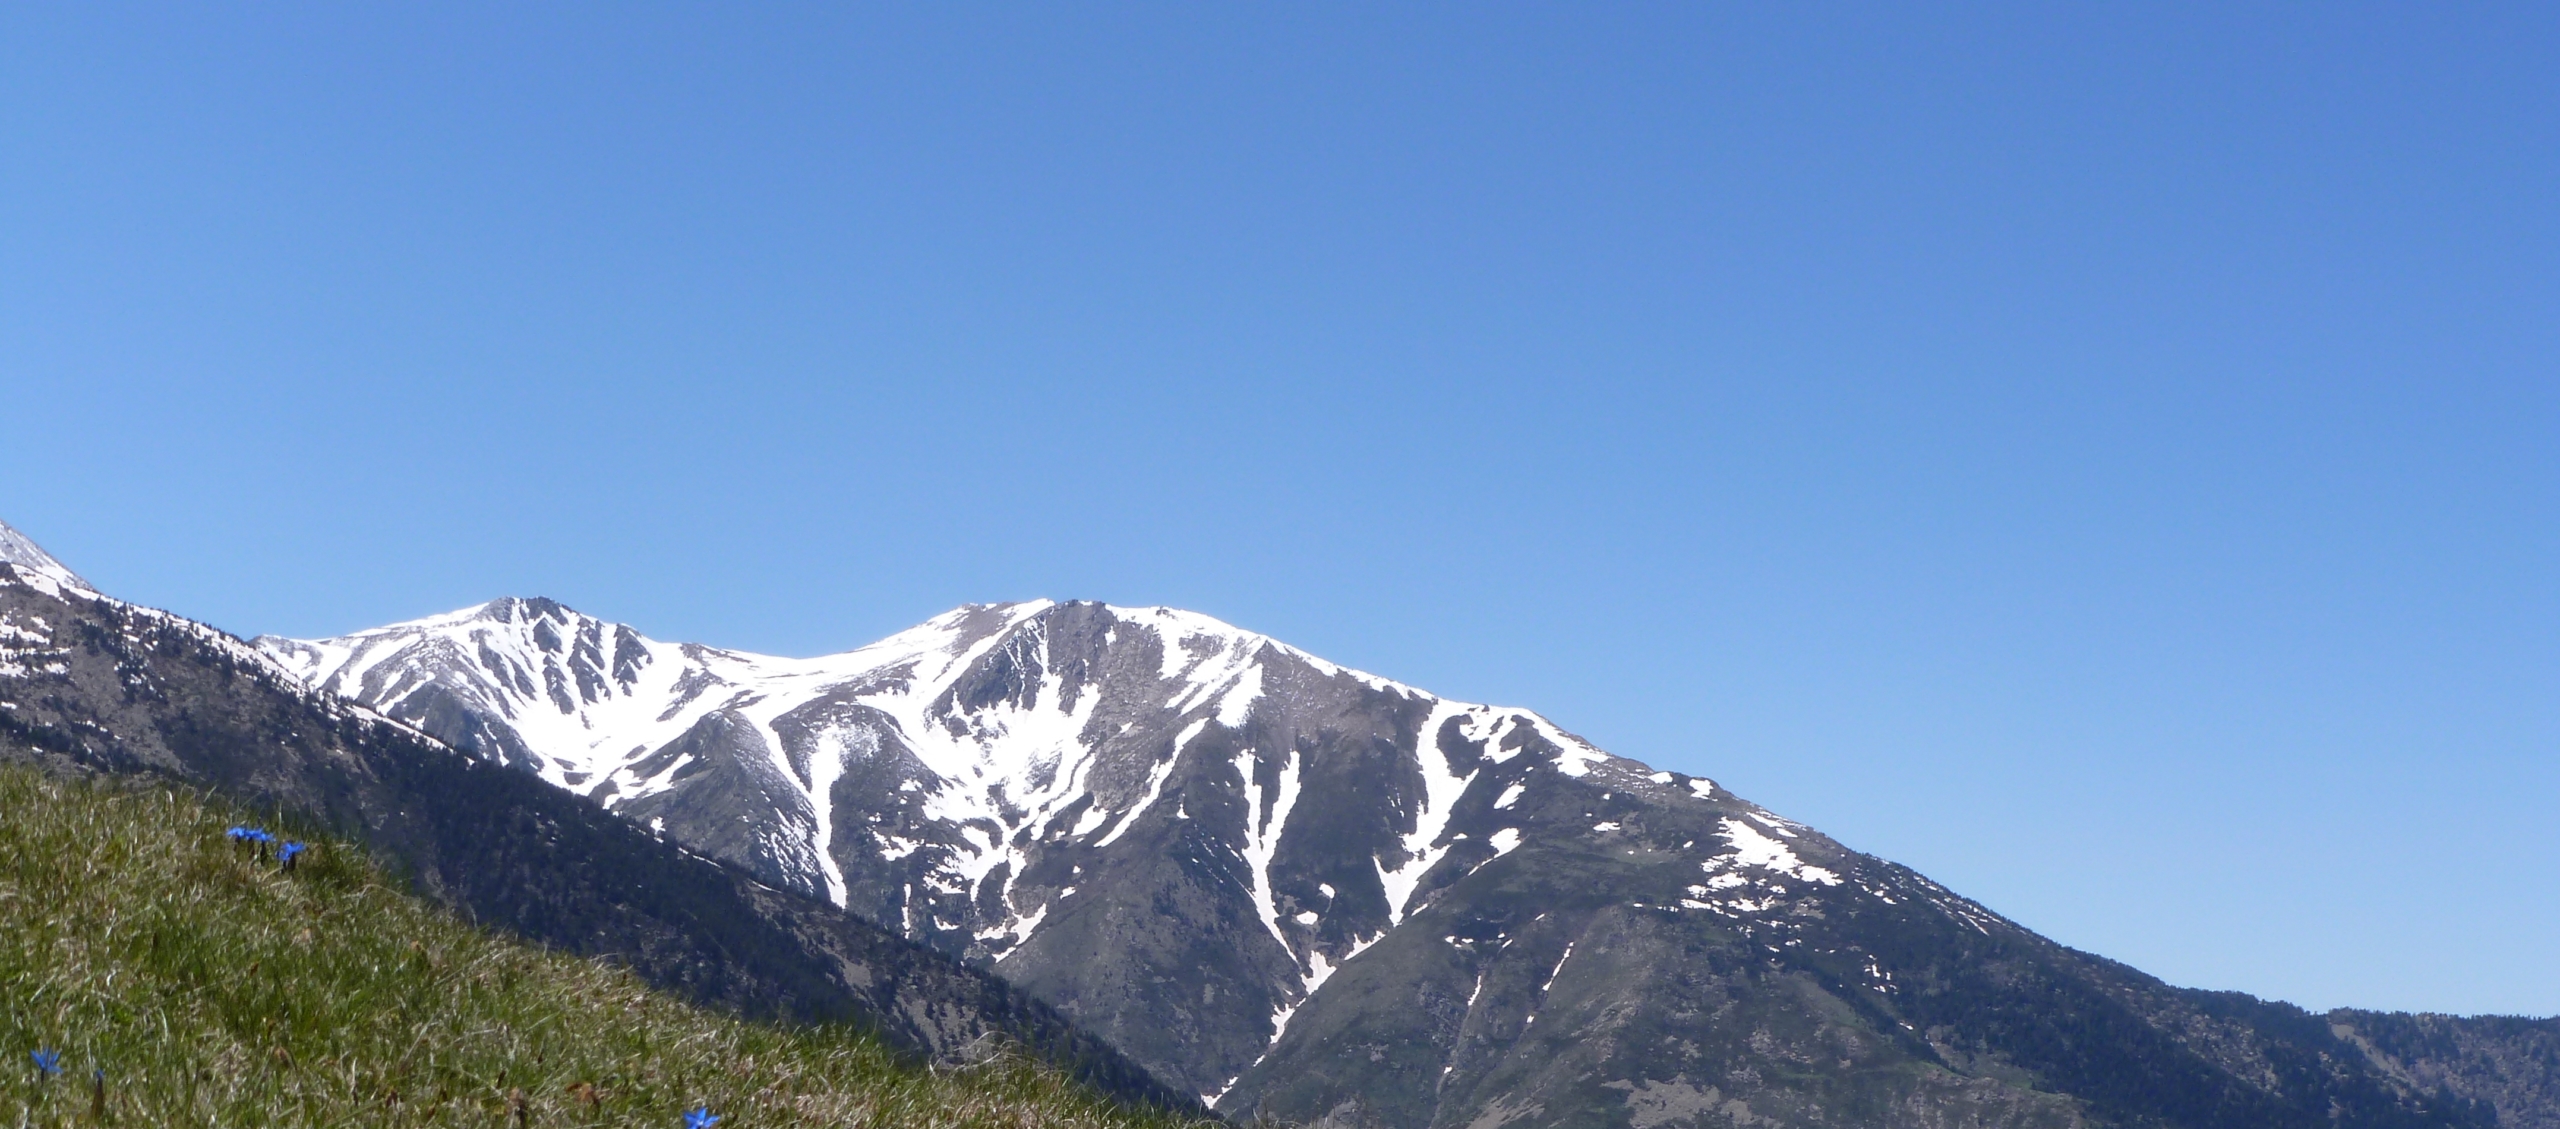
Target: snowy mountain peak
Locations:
point(38, 566)
point(995, 714)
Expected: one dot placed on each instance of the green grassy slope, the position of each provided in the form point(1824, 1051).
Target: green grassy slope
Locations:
point(213, 988)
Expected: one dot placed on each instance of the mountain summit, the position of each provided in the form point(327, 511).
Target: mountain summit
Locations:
point(1309, 893)
point(33, 562)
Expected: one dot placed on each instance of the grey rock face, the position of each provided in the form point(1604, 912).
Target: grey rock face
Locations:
point(1316, 895)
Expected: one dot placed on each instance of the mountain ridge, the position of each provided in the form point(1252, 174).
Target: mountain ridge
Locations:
point(1312, 893)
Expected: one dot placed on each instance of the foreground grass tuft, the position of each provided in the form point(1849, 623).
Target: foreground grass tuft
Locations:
point(170, 973)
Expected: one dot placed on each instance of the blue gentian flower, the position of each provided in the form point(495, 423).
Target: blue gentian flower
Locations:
point(48, 1062)
point(701, 1118)
point(285, 853)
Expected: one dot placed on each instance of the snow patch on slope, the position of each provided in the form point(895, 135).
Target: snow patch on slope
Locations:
point(1755, 849)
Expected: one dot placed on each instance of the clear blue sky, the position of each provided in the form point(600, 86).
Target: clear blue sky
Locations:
point(2105, 458)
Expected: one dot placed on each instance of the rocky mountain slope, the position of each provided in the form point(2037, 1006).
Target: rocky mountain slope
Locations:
point(1308, 893)
point(89, 684)
point(2509, 1063)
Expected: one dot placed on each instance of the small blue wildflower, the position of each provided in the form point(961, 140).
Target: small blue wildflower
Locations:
point(285, 853)
point(701, 1118)
point(48, 1062)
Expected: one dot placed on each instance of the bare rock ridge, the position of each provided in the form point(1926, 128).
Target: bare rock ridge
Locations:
point(89, 684)
point(1311, 894)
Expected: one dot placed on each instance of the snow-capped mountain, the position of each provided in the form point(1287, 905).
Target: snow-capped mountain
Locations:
point(1002, 779)
point(1313, 894)
point(966, 748)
